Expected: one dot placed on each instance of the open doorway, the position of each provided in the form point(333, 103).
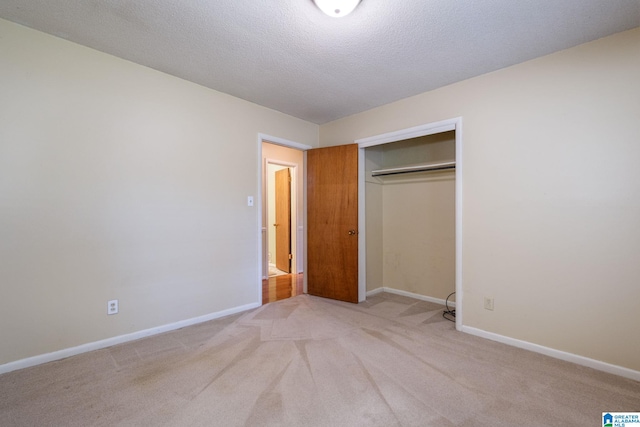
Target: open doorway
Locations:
point(282, 213)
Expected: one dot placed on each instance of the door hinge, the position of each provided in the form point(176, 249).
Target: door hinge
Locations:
point(290, 256)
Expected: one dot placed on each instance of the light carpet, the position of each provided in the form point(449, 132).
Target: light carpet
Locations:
point(307, 361)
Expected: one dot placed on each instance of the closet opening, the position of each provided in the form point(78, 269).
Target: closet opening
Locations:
point(410, 206)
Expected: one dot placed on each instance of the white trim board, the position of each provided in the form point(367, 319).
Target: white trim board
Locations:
point(98, 345)
point(556, 354)
point(410, 295)
point(414, 132)
point(262, 137)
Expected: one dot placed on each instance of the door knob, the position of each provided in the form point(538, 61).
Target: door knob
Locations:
point(352, 232)
point(275, 225)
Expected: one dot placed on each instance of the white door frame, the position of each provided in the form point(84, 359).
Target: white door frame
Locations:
point(262, 230)
point(414, 132)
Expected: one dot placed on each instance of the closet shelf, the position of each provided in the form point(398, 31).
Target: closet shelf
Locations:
point(415, 168)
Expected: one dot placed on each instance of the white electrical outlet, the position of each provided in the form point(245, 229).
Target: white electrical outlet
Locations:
point(488, 303)
point(112, 306)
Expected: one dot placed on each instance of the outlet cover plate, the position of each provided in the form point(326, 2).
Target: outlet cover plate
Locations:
point(488, 303)
point(112, 307)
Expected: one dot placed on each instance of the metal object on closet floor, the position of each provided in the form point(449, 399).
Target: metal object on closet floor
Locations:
point(427, 167)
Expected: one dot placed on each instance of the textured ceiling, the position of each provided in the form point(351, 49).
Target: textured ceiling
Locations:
point(287, 55)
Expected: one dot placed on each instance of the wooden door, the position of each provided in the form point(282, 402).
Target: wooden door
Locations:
point(283, 220)
point(332, 222)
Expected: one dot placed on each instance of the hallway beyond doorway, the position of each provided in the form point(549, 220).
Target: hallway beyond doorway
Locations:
point(285, 286)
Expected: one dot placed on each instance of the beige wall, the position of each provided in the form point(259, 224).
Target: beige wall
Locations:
point(117, 181)
point(419, 235)
point(551, 194)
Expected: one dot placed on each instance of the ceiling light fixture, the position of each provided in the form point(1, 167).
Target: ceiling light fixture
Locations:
point(337, 8)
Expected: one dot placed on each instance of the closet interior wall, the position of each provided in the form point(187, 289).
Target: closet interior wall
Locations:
point(410, 218)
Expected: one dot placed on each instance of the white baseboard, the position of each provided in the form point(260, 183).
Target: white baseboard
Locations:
point(97, 345)
point(375, 292)
point(410, 295)
point(557, 354)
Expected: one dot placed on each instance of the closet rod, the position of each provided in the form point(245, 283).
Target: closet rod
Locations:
point(417, 168)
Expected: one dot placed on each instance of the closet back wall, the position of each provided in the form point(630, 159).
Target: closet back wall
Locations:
point(414, 217)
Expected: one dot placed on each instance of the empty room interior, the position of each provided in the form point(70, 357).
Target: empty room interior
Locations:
point(458, 245)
